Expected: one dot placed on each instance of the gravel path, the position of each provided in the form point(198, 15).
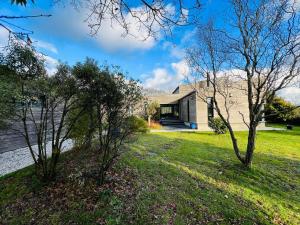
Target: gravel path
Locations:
point(20, 158)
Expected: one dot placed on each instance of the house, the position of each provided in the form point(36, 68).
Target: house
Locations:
point(188, 105)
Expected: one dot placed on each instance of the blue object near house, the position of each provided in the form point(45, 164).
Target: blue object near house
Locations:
point(193, 126)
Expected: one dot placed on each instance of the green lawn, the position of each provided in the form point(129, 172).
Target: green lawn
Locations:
point(170, 178)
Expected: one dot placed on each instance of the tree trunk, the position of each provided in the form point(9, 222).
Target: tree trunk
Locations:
point(101, 176)
point(149, 121)
point(53, 162)
point(250, 145)
point(235, 145)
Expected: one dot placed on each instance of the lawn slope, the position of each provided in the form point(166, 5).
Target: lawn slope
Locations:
point(167, 178)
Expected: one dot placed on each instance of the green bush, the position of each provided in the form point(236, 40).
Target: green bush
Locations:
point(282, 111)
point(137, 125)
point(218, 125)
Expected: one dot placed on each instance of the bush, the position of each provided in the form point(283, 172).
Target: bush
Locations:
point(137, 125)
point(218, 125)
point(282, 111)
point(155, 125)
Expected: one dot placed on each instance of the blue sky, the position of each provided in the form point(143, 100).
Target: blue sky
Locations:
point(65, 36)
point(157, 63)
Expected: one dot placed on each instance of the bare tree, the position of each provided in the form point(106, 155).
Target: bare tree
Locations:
point(15, 31)
point(148, 16)
point(256, 52)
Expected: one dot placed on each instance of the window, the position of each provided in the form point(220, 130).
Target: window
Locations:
point(210, 108)
point(166, 110)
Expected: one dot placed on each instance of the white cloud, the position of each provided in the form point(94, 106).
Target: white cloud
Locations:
point(45, 45)
point(110, 36)
point(291, 94)
point(50, 64)
point(175, 50)
point(4, 35)
point(179, 50)
point(189, 36)
point(162, 79)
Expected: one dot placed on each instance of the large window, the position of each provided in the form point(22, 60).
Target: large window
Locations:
point(210, 108)
point(166, 110)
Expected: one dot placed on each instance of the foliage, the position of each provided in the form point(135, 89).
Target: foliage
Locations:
point(217, 125)
point(8, 94)
point(109, 98)
point(79, 131)
point(153, 110)
point(42, 106)
point(80, 103)
point(136, 124)
point(24, 61)
point(85, 128)
point(280, 110)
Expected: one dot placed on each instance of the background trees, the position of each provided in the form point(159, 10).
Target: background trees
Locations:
point(281, 111)
point(257, 51)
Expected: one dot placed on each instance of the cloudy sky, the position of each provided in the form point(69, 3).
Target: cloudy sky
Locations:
point(157, 62)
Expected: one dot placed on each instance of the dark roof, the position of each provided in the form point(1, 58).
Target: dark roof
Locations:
point(175, 90)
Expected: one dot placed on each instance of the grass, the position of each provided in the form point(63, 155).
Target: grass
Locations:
point(167, 178)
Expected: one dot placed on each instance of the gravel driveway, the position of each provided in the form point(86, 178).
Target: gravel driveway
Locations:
point(20, 158)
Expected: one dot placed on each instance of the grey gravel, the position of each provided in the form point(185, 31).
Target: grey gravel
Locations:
point(20, 158)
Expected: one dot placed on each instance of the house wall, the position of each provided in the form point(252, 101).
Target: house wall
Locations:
point(183, 104)
point(198, 107)
point(238, 110)
point(202, 117)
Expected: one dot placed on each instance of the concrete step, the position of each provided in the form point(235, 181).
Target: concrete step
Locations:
point(171, 122)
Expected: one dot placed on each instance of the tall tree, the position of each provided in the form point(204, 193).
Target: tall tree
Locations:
point(42, 107)
point(110, 99)
point(257, 51)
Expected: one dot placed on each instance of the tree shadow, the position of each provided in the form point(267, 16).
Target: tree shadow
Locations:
point(198, 200)
point(273, 177)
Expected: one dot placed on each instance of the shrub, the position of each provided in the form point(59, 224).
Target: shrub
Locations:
point(137, 124)
point(218, 125)
point(282, 111)
point(155, 125)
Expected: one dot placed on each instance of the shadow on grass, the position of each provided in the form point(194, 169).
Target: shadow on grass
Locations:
point(199, 199)
point(273, 178)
